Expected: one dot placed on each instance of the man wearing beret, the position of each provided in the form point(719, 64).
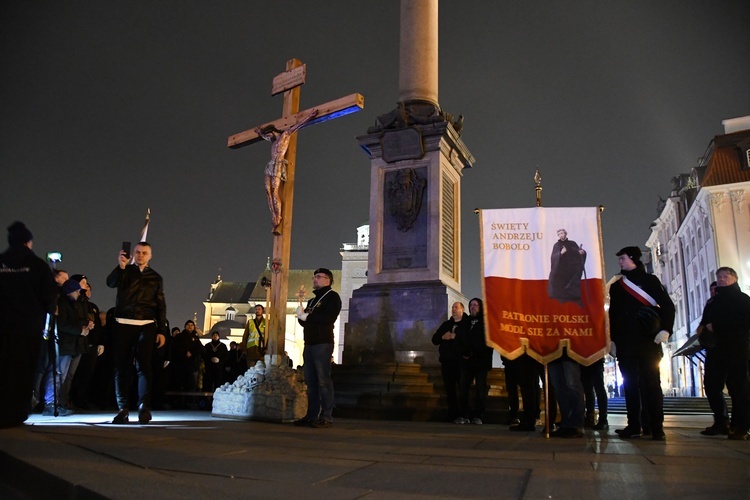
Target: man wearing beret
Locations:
point(317, 320)
point(641, 317)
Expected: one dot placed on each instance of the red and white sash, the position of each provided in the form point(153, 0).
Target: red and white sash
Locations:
point(637, 292)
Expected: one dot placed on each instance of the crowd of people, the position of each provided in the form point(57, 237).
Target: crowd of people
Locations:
point(60, 352)
point(641, 316)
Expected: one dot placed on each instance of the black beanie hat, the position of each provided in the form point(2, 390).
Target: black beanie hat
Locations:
point(327, 272)
point(633, 252)
point(71, 286)
point(18, 234)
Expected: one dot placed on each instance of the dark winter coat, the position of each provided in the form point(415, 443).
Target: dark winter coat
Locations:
point(451, 350)
point(27, 291)
point(728, 312)
point(323, 309)
point(625, 329)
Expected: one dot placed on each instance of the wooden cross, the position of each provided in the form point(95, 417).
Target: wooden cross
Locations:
point(289, 83)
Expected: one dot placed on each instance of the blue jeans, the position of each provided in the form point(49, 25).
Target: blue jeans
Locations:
point(565, 375)
point(317, 369)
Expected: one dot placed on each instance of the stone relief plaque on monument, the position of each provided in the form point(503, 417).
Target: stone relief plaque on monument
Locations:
point(403, 144)
point(405, 229)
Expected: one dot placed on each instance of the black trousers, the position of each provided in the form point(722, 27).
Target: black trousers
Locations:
point(642, 385)
point(451, 373)
point(592, 377)
point(470, 372)
point(730, 369)
point(530, 371)
point(19, 354)
point(133, 343)
point(511, 385)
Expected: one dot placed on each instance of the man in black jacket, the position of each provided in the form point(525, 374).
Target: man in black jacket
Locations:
point(140, 322)
point(727, 316)
point(27, 295)
point(317, 320)
point(450, 338)
point(72, 326)
point(637, 341)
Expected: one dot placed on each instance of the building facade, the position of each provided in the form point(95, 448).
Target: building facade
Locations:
point(704, 225)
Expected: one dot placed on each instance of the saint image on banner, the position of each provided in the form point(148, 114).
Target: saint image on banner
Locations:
point(568, 262)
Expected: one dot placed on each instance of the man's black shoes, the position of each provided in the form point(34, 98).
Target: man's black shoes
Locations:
point(628, 433)
point(601, 425)
point(738, 436)
point(567, 432)
point(315, 424)
point(144, 415)
point(716, 430)
point(658, 436)
point(122, 417)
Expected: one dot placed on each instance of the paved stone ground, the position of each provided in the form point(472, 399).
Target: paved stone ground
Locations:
point(193, 455)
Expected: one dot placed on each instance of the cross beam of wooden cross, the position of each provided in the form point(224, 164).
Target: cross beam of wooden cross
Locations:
point(328, 111)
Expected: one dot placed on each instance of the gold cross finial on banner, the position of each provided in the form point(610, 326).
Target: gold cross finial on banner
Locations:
point(538, 188)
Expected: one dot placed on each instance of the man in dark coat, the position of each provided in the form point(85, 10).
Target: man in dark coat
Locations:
point(215, 356)
point(449, 337)
point(317, 320)
point(27, 297)
point(637, 342)
point(727, 316)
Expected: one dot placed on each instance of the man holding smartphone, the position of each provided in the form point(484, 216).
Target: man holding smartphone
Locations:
point(140, 318)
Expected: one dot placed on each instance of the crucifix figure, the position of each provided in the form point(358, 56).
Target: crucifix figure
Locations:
point(276, 168)
point(282, 134)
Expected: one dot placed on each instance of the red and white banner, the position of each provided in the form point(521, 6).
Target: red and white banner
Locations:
point(543, 283)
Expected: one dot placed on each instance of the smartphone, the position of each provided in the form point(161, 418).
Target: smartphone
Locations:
point(126, 248)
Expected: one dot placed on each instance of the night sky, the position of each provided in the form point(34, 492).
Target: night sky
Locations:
point(110, 108)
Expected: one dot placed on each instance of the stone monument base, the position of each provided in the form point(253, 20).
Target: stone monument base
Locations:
point(270, 391)
point(394, 323)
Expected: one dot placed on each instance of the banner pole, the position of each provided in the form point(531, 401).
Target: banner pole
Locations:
point(546, 401)
point(538, 190)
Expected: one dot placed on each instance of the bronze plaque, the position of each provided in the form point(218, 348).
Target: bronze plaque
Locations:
point(404, 144)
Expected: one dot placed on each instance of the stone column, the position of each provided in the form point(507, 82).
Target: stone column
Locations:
point(417, 159)
point(418, 51)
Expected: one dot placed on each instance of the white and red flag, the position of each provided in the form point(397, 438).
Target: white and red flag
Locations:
point(543, 282)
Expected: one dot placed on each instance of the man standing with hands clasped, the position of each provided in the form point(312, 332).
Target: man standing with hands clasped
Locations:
point(727, 316)
point(317, 320)
point(140, 322)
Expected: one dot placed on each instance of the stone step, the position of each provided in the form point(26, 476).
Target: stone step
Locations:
point(672, 406)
